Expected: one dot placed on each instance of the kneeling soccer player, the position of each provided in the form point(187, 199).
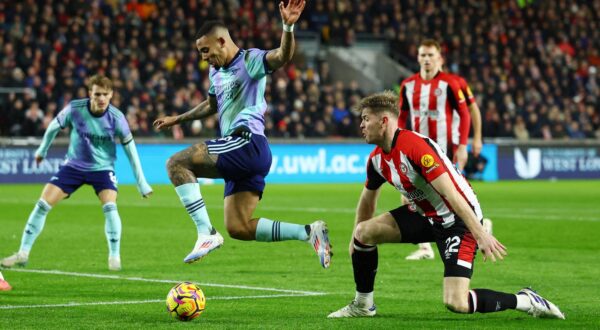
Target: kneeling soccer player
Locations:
point(443, 208)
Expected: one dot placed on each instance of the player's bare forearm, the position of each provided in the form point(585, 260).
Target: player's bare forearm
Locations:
point(277, 58)
point(477, 135)
point(290, 13)
point(446, 188)
point(476, 120)
point(200, 111)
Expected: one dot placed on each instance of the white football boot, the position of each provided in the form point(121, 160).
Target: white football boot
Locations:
point(540, 307)
point(18, 259)
point(319, 240)
point(424, 252)
point(204, 245)
point(114, 263)
point(354, 310)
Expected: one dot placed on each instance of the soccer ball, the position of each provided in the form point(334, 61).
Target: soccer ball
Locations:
point(185, 301)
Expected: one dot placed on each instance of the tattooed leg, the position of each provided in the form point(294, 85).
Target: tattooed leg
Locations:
point(192, 163)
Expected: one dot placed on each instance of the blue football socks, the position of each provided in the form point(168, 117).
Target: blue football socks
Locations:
point(273, 231)
point(190, 197)
point(34, 225)
point(112, 228)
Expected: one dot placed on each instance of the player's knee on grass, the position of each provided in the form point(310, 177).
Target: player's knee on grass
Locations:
point(457, 305)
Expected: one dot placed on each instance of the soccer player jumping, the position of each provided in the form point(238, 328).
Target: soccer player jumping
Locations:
point(95, 126)
point(242, 155)
point(443, 209)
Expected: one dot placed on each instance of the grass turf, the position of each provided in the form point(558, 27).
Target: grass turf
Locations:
point(549, 229)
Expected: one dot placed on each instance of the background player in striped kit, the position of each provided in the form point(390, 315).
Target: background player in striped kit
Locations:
point(446, 210)
point(242, 156)
point(95, 125)
point(433, 103)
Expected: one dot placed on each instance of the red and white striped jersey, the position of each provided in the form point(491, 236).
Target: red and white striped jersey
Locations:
point(413, 163)
point(431, 105)
point(464, 87)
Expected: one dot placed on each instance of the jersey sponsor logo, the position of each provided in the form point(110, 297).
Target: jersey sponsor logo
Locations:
point(438, 92)
point(431, 113)
point(427, 160)
point(95, 139)
point(230, 89)
point(416, 195)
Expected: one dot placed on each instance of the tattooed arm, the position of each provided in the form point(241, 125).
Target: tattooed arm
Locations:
point(202, 110)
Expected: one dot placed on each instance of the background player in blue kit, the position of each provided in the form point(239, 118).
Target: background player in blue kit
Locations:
point(95, 125)
point(242, 156)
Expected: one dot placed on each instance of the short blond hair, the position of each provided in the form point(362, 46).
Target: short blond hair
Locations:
point(379, 102)
point(100, 81)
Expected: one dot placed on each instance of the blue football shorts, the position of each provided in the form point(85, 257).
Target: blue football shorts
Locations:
point(70, 179)
point(244, 160)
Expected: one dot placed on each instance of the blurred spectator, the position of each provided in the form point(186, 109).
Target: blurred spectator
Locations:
point(533, 60)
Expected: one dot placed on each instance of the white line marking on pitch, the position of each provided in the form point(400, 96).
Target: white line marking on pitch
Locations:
point(117, 277)
point(149, 301)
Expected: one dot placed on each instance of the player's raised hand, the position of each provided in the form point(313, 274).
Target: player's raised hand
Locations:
point(491, 247)
point(165, 122)
point(291, 12)
point(38, 159)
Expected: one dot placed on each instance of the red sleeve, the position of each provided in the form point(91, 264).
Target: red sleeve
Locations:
point(424, 157)
point(458, 102)
point(464, 86)
point(403, 107)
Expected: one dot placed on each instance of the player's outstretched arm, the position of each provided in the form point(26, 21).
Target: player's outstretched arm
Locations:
point(134, 160)
point(49, 135)
point(202, 110)
point(488, 244)
point(290, 14)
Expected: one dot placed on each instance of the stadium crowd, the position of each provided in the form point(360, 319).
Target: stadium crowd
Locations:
point(531, 64)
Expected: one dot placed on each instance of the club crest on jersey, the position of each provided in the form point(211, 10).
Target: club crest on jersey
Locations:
point(438, 92)
point(403, 168)
point(427, 160)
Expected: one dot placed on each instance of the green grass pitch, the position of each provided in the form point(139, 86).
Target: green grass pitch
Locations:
point(550, 229)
